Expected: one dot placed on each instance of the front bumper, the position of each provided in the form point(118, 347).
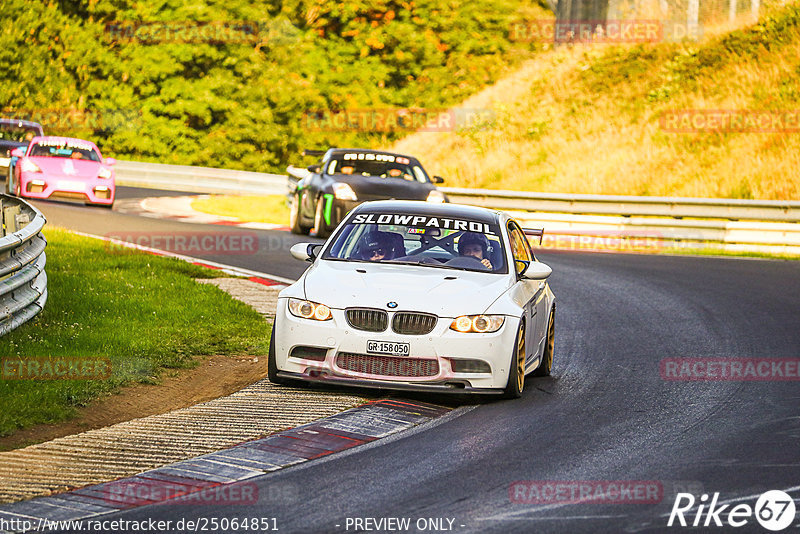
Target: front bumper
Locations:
point(94, 191)
point(449, 387)
point(336, 338)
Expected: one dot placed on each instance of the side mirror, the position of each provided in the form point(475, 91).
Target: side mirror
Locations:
point(18, 153)
point(313, 168)
point(536, 270)
point(110, 161)
point(438, 180)
point(304, 251)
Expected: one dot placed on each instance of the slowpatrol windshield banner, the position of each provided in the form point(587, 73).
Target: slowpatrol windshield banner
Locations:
point(422, 221)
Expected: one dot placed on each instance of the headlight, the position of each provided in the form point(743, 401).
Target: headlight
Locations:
point(309, 310)
point(29, 166)
point(435, 196)
point(104, 173)
point(344, 192)
point(477, 323)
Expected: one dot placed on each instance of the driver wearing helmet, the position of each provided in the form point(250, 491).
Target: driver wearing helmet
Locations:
point(475, 245)
point(374, 246)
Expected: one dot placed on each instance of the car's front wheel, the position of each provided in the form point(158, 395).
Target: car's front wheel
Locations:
point(295, 224)
point(272, 364)
point(547, 358)
point(516, 374)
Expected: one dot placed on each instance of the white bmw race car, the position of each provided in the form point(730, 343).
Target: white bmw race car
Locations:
point(418, 296)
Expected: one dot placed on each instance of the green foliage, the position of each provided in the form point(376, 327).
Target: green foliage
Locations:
point(686, 65)
point(241, 103)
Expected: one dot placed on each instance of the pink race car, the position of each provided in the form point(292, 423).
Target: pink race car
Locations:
point(63, 167)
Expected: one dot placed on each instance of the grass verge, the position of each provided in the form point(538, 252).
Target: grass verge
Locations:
point(143, 313)
point(270, 209)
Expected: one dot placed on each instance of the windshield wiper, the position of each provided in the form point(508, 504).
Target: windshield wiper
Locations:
point(405, 262)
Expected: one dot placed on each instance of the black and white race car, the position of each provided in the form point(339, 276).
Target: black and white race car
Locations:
point(346, 177)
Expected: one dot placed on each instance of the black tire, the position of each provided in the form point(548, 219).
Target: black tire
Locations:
point(295, 224)
point(272, 365)
point(321, 229)
point(546, 365)
point(516, 374)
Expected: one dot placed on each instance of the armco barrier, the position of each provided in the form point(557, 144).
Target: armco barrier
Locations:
point(678, 207)
point(23, 282)
point(198, 179)
point(756, 225)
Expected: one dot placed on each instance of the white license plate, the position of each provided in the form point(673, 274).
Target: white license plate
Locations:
point(70, 185)
point(4, 162)
point(388, 347)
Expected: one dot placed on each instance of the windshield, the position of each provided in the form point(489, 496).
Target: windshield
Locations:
point(69, 149)
point(18, 132)
point(414, 239)
point(378, 165)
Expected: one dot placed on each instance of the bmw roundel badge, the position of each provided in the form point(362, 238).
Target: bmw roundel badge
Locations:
point(392, 305)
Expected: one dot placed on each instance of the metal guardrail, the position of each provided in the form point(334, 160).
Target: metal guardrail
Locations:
point(210, 180)
point(629, 206)
point(23, 282)
point(752, 223)
point(570, 231)
point(198, 179)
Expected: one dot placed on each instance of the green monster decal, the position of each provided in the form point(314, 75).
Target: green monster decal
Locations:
point(328, 205)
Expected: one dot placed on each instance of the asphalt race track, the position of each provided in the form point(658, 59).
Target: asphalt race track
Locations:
point(606, 414)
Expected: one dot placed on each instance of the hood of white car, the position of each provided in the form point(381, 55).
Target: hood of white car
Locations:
point(444, 292)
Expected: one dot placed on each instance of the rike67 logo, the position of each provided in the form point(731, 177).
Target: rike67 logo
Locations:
point(774, 510)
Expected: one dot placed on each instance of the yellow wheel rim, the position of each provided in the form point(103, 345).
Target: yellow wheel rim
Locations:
point(521, 359)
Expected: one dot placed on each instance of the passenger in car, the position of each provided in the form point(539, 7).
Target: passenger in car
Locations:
point(475, 245)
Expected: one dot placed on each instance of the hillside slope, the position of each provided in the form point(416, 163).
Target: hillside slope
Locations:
point(596, 120)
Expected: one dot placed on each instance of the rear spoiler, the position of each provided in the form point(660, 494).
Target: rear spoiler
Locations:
point(313, 152)
point(538, 232)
